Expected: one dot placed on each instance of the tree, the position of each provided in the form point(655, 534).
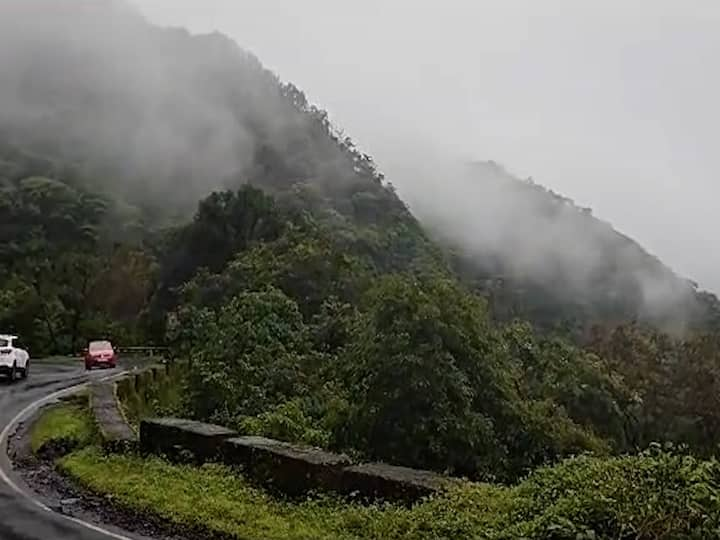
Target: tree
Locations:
point(423, 378)
point(591, 393)
point(225, 224)
point(247, 357)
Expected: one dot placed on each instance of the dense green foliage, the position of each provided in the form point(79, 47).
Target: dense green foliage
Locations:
point(301, 339)
point(405, 367)
point(672, 385)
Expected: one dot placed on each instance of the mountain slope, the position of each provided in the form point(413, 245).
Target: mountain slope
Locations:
point(539, 256)
point(156, 119)
point(158, 115)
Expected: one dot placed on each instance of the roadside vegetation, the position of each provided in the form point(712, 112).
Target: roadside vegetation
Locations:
point(69, 424)
point(660, 493)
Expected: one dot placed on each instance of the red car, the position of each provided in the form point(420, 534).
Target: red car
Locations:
point(100, 354)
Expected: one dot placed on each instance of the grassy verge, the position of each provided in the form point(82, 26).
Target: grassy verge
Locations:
point(653, 495)
point(213, 497)
point(70, 422)
point(644, 497)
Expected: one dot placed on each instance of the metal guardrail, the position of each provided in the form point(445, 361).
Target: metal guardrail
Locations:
point(142, 351)
point(134, 351)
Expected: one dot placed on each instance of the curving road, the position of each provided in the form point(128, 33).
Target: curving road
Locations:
point(23, 517)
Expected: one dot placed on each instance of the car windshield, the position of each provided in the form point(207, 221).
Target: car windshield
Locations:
point(100, 346)
point(4, 342)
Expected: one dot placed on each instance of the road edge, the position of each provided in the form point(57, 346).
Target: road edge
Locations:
point(6, 464)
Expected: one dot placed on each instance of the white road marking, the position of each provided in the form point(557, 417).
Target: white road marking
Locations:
point(3, 444)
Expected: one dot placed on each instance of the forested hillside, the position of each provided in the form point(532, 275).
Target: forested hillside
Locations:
point(156, 119)
point(144, 122)
point(538, 256)
point(157, 187)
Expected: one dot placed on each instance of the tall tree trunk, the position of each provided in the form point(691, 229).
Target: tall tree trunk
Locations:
point(74, 327)
point(79, 307)
point(48, 324)
point(47, 319)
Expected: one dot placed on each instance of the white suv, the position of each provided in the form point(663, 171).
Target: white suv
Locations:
point(14, 360)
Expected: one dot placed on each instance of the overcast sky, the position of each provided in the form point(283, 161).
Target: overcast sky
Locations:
point(611, 102)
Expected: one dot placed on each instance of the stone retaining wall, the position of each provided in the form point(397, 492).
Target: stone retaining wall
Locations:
point(292, 469)
point(289, 468)
point(139, 392)
point(116, 431)
point(382, 481)
point(174, 437)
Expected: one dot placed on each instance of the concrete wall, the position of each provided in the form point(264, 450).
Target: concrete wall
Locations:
point(109, 401)
point(116, 433)
point(288, 468)
point(140, 393)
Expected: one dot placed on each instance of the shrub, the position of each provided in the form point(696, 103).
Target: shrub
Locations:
point(285, 422)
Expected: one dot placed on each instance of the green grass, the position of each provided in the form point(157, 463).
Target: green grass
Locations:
point(217, 498)
point(70, 421)
point(644, 497)
point(212, 496)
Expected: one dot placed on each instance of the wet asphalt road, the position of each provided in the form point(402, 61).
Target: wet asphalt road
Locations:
point(20, 518)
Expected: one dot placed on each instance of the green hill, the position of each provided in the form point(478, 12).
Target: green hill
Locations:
point(156, 119)
point(158, 187)
point(539, 256)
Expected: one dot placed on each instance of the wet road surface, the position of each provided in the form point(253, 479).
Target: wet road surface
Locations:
point(20, 517)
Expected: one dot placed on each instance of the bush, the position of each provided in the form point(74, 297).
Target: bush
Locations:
point(649, 496)
point(286, 422)
point(424, 381)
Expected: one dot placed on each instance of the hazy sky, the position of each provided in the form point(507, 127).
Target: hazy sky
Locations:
point(611, 102)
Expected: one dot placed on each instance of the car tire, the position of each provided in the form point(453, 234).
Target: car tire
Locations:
point(24, 372)
point(13, 373)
